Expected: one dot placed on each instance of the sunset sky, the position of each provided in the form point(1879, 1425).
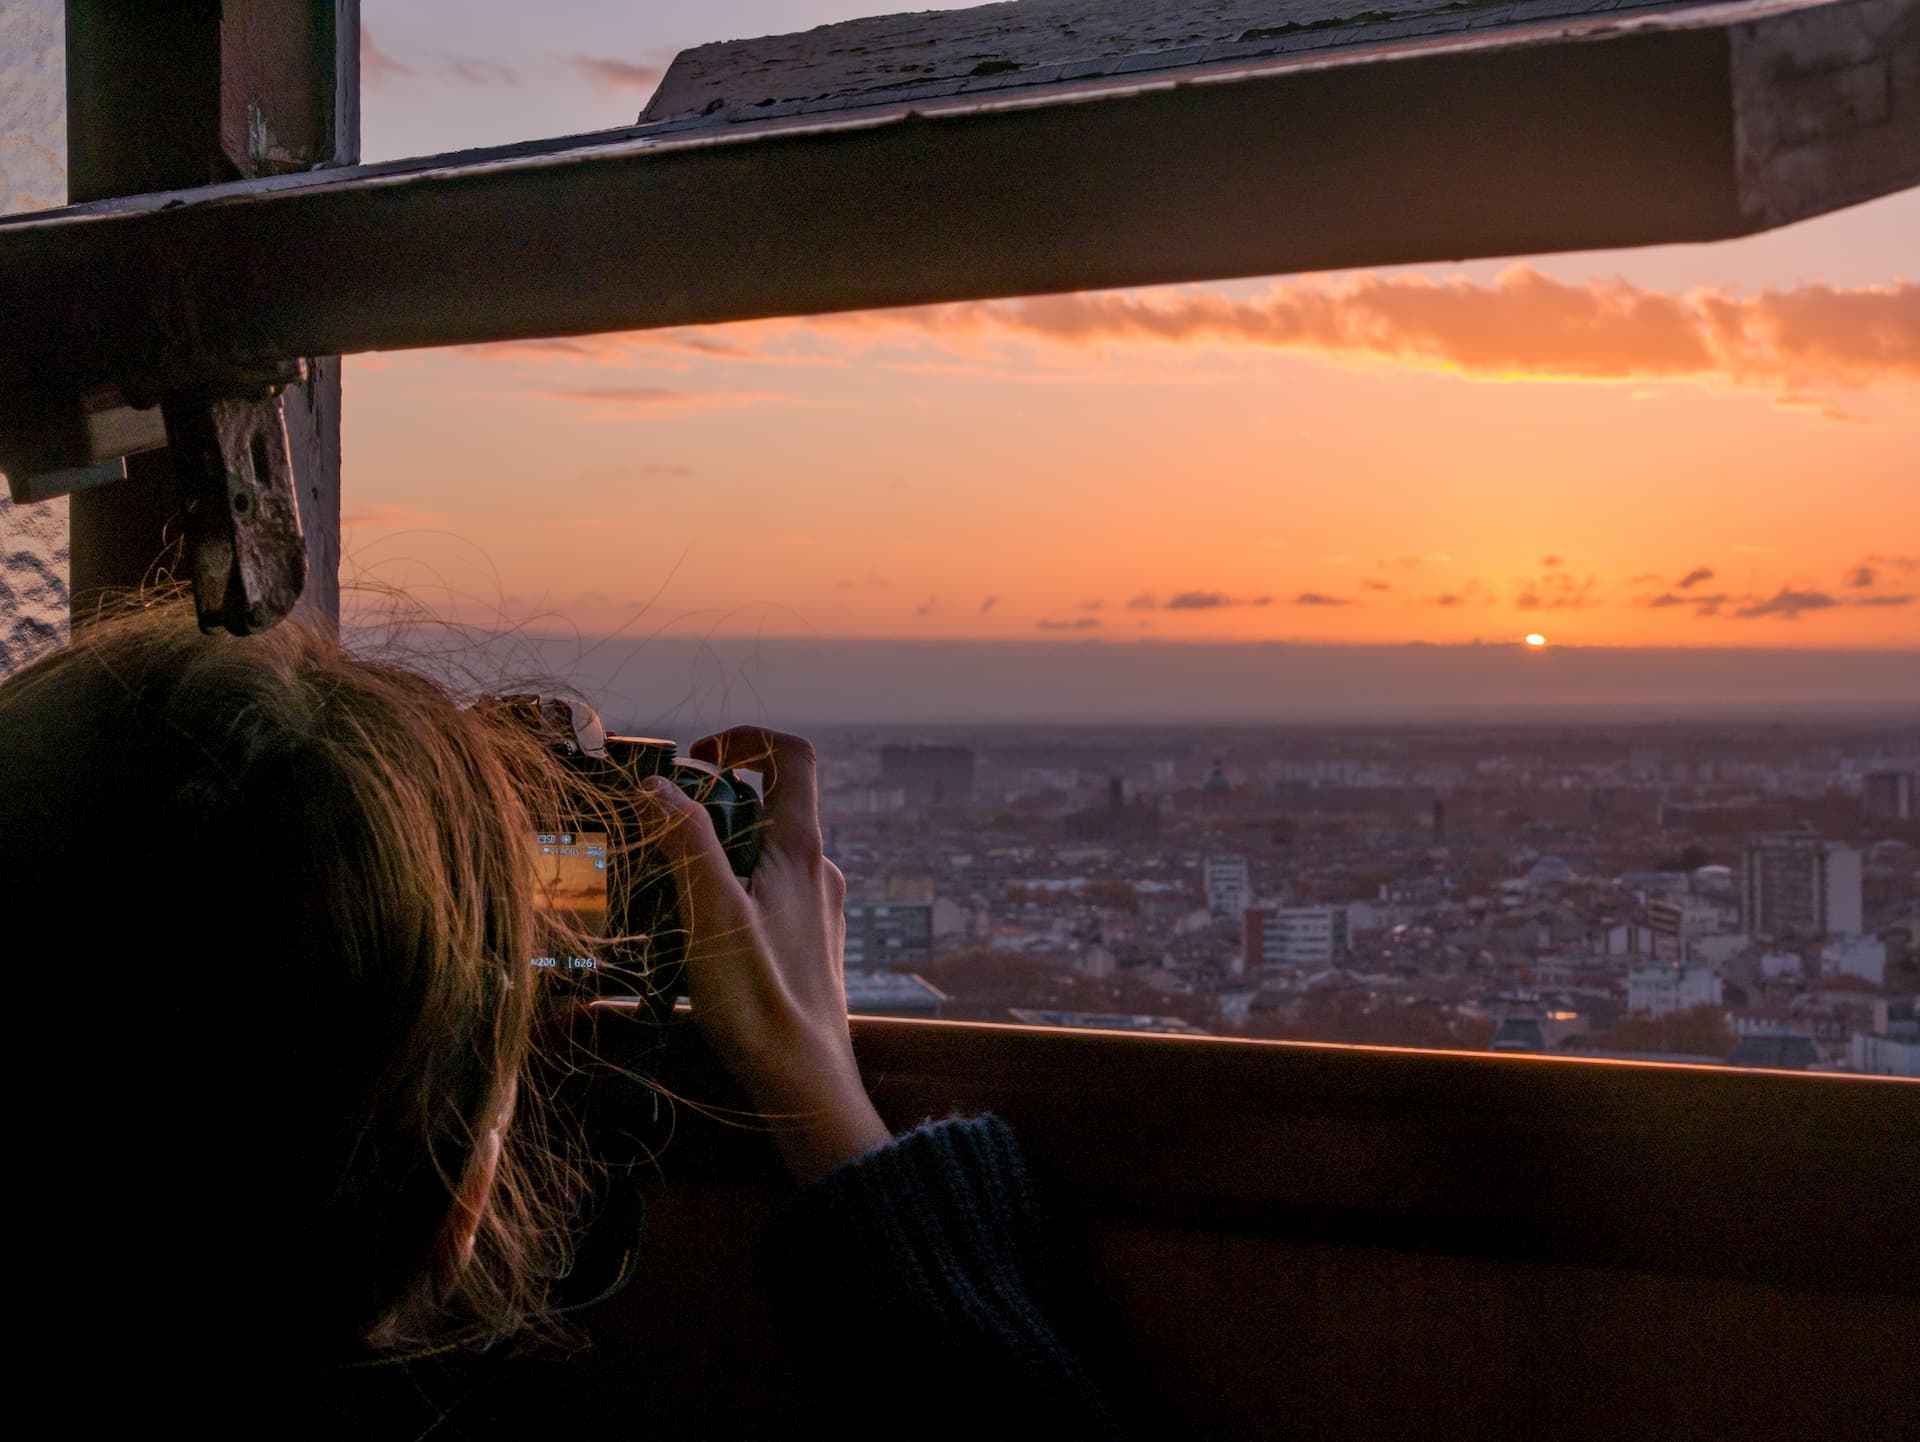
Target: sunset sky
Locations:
point(1692, 446)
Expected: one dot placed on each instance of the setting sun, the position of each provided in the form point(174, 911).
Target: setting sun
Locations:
point(1536, 639)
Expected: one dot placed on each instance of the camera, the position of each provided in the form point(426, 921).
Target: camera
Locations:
point(617, 903)
point(594, 870)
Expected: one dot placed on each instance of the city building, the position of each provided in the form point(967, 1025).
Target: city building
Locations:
point(1883, 1056)
point(928, 773)
point(893, 993)
point(1119, 819)
point(1105, 1021)
point(1889, 796)
point(1673, 927)
point(1861, 956)
point(1800, 886)
point(1229, 884)
point(1778, 1048)
point(1658, 991)
point(890, 926)
point(1273, 937)
point(1216, 792)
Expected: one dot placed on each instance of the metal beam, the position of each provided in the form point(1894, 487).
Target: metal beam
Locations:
point(1663, 124)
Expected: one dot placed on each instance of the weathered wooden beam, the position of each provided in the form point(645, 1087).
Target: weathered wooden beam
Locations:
point(180, 95)
point(1666, 123)
point(143, 96)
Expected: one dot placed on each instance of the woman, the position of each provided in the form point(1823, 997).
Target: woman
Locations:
point(292, 1098)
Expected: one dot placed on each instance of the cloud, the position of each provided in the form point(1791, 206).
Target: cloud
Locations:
point(1474, 590)
point(1557, 591)
point(1315, 598)
point(614, 348)
point(605, 74)
point(1550, 563)
point(1821, 406)
point(391, 518)
point(1861, 577)
point(1899, 563)
point(1787, 604)
point(1198, 601)
point(546, 348)
point(1372, 585)
point(1092, 605)
point(1209, 600)
point(627, 397)
point(1078, 623)
point(377, 68)
point(1704, 603)
point(466, 70)
point(988, 604)
point(1901, 600)
point(1522, 324)
point(927, 607)
point(658, 398)
point(1694, 578)
point(1145, 601)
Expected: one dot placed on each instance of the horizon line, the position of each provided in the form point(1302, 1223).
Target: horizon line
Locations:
point(529, 631)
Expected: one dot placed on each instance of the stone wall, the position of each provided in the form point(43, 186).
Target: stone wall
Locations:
point(33, 176)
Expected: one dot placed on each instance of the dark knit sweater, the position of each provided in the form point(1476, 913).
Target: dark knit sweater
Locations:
point(918, 1291)
point(920, 1277)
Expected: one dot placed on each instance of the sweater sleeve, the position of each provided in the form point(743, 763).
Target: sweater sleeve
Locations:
point(917, 1282)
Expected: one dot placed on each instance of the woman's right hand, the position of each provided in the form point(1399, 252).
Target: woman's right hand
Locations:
point(765, 961)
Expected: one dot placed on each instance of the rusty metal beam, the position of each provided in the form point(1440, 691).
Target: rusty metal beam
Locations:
point(1676, 123)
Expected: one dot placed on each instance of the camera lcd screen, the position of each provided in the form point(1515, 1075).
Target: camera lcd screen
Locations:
point(570, 885)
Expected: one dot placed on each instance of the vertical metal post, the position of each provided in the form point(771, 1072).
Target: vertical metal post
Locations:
point(161, 96)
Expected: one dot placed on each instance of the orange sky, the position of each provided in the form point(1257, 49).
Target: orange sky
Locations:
point(1560, 445)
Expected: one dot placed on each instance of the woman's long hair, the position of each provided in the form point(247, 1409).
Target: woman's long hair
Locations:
point(269, 913)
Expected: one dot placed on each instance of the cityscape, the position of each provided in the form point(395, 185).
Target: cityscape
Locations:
point(1743, 894)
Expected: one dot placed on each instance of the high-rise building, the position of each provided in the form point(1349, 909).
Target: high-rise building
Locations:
point(1216, 792)
point(890, 925)
point(1889, 796)
point(1273, 937)
point(928, 773)
point(1228, 882)
point(1800, 886)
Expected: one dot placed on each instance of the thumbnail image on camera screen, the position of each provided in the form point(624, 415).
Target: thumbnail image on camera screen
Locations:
point(570, 886)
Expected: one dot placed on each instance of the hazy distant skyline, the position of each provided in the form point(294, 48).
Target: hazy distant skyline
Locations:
point(676, 686)
point(1685, 446)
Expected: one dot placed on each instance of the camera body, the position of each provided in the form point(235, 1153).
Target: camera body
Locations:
point(621, 901)
point(598, 868)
